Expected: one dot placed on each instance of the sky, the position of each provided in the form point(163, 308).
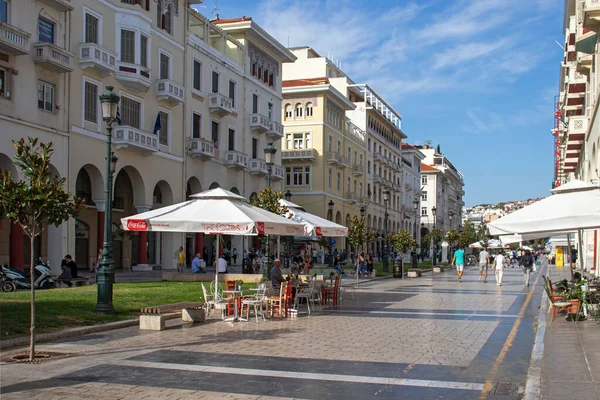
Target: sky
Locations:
point(476, 77)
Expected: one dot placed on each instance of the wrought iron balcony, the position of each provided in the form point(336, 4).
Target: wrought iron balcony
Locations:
point(299, 155)
point(98, 58)
point(259, 123)
point(169, 91)
point(257, 166)
point(52, 57)
point(236, 159)
point(200, 147)
point(134, 76)
point(220, 104)
point(13, 41)
point(135, 139)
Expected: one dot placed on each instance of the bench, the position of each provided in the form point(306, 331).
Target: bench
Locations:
point(154, 318)
point(79, 281)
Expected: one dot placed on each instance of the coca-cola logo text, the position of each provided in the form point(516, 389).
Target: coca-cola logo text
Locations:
point(137, 225)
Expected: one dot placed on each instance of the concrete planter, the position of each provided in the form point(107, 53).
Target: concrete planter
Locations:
point(414, 273)
point(193, 315)
point(438, 268)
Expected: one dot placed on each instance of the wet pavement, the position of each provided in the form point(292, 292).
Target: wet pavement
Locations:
point(425, 338)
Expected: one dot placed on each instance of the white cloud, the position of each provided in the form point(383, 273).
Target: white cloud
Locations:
point(466, 52)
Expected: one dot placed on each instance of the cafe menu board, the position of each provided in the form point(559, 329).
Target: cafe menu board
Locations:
point(45, 31)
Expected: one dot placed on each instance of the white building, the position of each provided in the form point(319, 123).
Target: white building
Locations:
point(410, 201)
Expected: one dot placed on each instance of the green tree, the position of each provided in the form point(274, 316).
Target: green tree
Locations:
point(452, 237)
point(403, 241)
point(371, 237)
point(268, 199)
point(36, 202)
point(482, 235)
point(325, 242)
point(357, 233)
point(436, 236)
point(468, 235)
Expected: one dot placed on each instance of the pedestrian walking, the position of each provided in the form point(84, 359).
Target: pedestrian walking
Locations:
point(499, 262)
point(235, 256)
point(459, 261)
point(527, 262)
point(484, 262)
point(180, 259)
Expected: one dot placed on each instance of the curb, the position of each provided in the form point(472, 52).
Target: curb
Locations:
point(533, 383)
point(67, 333)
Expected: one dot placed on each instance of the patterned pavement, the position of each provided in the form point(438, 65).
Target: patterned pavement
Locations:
point(429, 337)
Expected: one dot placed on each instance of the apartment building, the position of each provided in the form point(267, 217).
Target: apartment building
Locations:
point(442, 188)
point(381, 125)
point(577, 128)
point(186, 116)
point(410, 201)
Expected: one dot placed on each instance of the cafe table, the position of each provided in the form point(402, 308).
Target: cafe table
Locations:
point(234, 295)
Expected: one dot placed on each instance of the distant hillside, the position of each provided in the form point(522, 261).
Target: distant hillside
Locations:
point(510, 204)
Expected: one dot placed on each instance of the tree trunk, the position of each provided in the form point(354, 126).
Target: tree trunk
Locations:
point(32, 280)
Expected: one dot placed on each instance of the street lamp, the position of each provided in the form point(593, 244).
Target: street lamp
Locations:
point(106, 273)
point(451, 252)
point(433, 261)
point(386, 198)
point(270, 151)
point(288, 195)
point(330, 218)
point(414, 254)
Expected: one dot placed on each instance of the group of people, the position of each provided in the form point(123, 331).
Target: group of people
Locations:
point(499, 261)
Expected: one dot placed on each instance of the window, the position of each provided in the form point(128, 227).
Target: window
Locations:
point(254, 103)
point(298, 141)
point(288, 111)
point(214, 131)
point(130, 112)
point(127, 46)
point(424, 180)
point(197, 75)
point(132, 2)
point(309, 110)
point(196, 126)
point(45, 31)
point(339, 147)
point(164, 16)
point(270, 110)
point(163, 134)
point(349, 154)
point(215, 82)
point(91, 29)
point(254, 148)
point(423, 211)
point(232, 93)
point(297, 176)
point(338, 181)
point(164, 66)
point(424, 196)
point(45, 96)
point(2, 80)
point(329, 143)
point(299, 111)
point(360, 157)
point(144, 51)
point(231, 139)
point(3, 11)
point(90, 100)
point(307, 175)
point(329, 178)
point(288, 176)
point(368, 167)
point(348, 185)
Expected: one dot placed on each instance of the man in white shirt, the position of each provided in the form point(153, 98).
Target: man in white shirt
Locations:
point(499, 262)
point(484, 262)
point(221, 265)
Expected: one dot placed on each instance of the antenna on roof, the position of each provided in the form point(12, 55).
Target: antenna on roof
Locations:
point(216, 9)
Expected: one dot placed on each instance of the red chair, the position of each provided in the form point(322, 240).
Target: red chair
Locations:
point(230, 285)
point(288, 299)
point(333, 291)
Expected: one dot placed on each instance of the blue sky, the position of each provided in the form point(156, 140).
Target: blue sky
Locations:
point(477, 77)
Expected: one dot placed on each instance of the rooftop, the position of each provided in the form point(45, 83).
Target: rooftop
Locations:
point(428, 168)
point(230, 20)
point(304, 82)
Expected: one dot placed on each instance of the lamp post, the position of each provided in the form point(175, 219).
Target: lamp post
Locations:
point(330, 218)
point(362, 216)
point(386, 198)
point(450, 253)
point(433, 244)
point(106, 274)
point(288, 195)
point(414, 254)
point(270, 151)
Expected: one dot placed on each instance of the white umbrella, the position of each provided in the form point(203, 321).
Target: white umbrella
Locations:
point(215, 211)
point(314, 225)
point(491, 244)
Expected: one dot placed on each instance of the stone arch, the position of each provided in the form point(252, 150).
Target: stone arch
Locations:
point(89, 184)
point(338, 218)
point(138, 189)
point(253, 196)
point(162, 194)
point(214, 185)
point(298, 110)
point(6, 164)
point(54, 171)
point(288, 111)
point(235, 190)
point(193, 186)
point(348, 220)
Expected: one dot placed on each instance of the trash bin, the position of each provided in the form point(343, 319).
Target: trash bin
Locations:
point(398, 268)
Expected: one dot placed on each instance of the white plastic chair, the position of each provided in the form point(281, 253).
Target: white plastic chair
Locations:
point(257, 301)
point(307, 294)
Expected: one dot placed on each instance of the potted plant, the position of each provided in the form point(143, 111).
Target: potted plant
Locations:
point(238, 284)
point(575, 296)
point(263, 279)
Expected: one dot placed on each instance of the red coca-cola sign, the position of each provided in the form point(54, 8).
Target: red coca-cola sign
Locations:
point(318, 231)
point(137, 225)
point(260, 227)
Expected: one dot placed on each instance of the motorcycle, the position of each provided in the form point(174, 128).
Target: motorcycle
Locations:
point(42, 276)
point(6, 285)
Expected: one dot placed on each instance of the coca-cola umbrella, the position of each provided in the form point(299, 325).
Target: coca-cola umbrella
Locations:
point(216, 212)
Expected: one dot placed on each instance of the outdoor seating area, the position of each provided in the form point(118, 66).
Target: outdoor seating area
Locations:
point(580, 298)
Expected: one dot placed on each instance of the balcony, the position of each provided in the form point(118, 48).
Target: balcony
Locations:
point(346, 162)
point(275, 131)
point(358, 170)
point(236, 159)
point(334, 158)
point(407, 187)
point(362, 201)
point(277, 173)
point(60, 5)
point(203, 148)
point(257, 166)
point(259, 123)
point(13, 41)
point(591, 14)
point(352, 198)
point(134, 76)
point(220, 104)
point(134, 139)
point(378, 179)
point(169, 91)
point(299, 155)
point(52, 57)
point(98, 58)
point(379, 157)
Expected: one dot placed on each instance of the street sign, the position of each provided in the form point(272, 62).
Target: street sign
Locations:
point(332, 241)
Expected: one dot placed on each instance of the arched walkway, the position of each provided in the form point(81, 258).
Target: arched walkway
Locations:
point(235, 190)
point(193, 187)
point(214, 185)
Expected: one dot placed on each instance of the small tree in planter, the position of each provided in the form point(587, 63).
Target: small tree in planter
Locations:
point(452, 237)
point(357, 235)
point(436, 237)
point(403, 242)
point(371, 237)
point(38, 201)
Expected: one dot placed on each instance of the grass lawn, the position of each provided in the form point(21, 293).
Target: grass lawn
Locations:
point(58, 309)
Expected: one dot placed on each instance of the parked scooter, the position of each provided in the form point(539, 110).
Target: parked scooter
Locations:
point(42, 276)
point(6, 285)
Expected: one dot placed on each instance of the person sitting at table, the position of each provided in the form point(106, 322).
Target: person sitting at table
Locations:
point(276, 275)
point(308, 264)
point(197, 266)
point(255, 264)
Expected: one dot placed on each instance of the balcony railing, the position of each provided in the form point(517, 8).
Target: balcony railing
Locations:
point(352, 198)
point(200, 147)
point(167, 90)
point(97, 57)
point(259, 123)
point(60, 5)
point(135, 139)
point(134, 76)
point(346, 162)
point(220, 104)
point(378, 179)
point(299, 155)
point(358, 169)
point(275, 131)
point(257, 166)
point(13, 41)
point(52, 57)
point(236, 159)
point(578, 126)
point(334, 158)
point(277, 173)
